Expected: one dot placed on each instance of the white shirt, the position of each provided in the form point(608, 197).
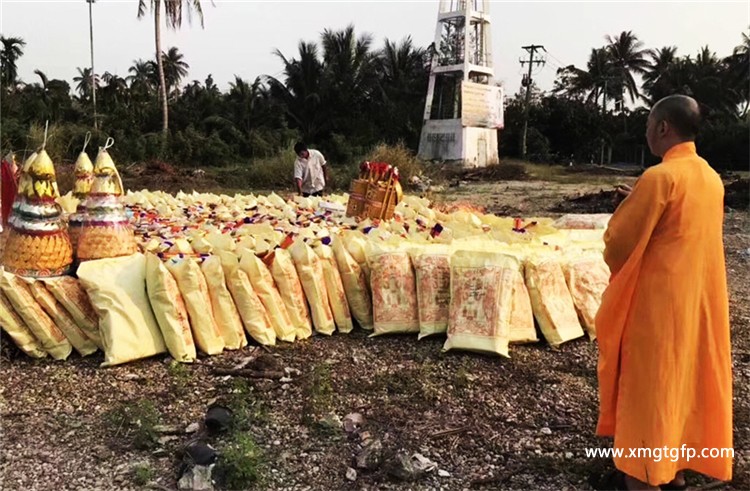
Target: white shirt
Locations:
point(310, 170)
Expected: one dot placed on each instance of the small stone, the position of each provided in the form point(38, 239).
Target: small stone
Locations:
point(443, 473)
point(405, 468)
point(163, 440)
point(197, 478)
point(218, 418)
point(330, 421)
point(351, 474)
point(371, 455)
point(546, 431)
point(277, 442)
point(353, 422)
point(285, 380)
point(568, 455)
point(285, 387)
point(101, 452)
point(200, 453)
point(192, 428)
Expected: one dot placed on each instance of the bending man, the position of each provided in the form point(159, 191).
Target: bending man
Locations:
point(310, 171)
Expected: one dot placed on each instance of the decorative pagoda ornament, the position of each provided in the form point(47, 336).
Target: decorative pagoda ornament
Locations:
point(84, 174)
point(106, 230)
point(38, 244)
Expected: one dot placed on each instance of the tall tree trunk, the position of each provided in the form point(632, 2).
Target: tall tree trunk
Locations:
point(160, 69)
point(93, 73)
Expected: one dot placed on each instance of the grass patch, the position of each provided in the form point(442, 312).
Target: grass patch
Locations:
point(240, 464)
point(143, 474)
point(276, 171)
point(320, 389)
point(180, 376)
point(247, 409)
point(462, 379)
point(409, 383)
point(318, 394)
point(563, 175)
point(136, 422)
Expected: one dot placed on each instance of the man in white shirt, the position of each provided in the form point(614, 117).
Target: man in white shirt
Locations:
point(310, 171)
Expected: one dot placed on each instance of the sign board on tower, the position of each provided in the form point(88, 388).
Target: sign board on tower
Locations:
point(481, 105)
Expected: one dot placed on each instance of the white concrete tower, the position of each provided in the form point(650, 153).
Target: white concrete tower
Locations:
point(464, 107)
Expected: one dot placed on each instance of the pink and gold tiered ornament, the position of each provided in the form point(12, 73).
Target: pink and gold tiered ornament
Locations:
point(84, 173)
point(106, 231)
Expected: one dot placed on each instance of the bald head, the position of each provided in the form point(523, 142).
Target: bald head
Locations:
point(681, 112)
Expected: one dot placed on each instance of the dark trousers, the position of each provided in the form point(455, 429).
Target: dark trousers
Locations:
point(316, 193)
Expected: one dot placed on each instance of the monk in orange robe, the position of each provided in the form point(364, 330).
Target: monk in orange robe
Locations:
point(665, 372)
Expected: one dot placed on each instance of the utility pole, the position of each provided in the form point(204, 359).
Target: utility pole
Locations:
point(604, 114)
point(93, 73)
point(531, 50)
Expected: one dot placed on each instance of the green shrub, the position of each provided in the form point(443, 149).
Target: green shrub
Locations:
point(136, 421)
point(240, 463)
point(400, 156)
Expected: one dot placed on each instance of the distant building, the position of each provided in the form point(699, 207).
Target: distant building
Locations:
point(464, 107)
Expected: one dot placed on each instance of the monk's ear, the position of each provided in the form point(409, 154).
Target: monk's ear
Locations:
point(662, 127)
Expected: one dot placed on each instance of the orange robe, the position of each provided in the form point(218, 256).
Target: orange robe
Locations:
point(665, 373)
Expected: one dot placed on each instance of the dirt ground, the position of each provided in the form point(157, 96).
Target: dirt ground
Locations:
point(487, 423)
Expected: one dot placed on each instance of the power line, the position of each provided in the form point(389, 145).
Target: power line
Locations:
point(563, 65)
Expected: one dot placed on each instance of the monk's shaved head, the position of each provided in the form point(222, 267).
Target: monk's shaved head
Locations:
point(681, 112)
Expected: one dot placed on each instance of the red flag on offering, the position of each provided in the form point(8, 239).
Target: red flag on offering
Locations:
point(8, 191)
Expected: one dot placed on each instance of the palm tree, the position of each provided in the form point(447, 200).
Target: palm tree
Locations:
point(142, 74)
point(211, 87)
point(349, 63)
point(247, 102)
point(175, 68)
point(115, 86)
point(301, 93)
point(173, 10)
point(592, 82)
point(11, 51)
point(662, 60)
point(54, 94)
point(628, 58)
point(86, 82)
point(738, 66)
point(712, 85)
point(397, 62)
point(349, 76)
point(348, 59)
point(403, 72)
point(43, 77)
